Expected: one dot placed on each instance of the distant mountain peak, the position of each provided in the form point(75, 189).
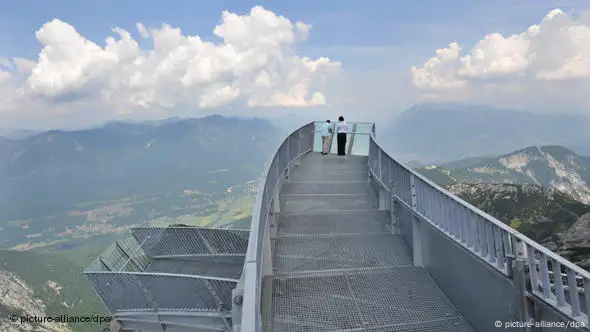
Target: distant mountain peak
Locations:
point(550, 166)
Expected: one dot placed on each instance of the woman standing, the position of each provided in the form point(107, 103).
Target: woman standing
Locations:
point(326, 132)
point(341, 130)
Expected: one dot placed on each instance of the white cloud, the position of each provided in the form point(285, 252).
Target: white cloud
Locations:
point(254, 65)
point(553, 55)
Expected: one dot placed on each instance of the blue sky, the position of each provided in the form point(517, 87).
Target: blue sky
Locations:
point(367, 37)
point(335, 23)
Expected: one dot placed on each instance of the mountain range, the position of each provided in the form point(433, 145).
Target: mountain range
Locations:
point(54, 170)
point(548, 166)
point(442, 132)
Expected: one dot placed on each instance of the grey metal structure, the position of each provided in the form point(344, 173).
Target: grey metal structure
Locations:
point(362, 244)
point(171, 279)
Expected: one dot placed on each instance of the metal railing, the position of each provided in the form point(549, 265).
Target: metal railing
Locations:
point(258, 258)
point(124, 277)
point(491, 240)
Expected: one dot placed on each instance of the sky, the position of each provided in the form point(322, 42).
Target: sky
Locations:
point(74, 64)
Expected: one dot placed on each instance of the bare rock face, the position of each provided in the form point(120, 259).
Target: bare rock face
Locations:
point(17, 303)
point(575, 243)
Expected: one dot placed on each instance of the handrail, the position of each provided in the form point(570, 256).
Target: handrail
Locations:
point(518, 245)
point(252, 272)
point(492, 241)
point(495, 221)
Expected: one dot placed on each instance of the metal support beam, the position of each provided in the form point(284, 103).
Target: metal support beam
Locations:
point(298, 147)
point(383, 199)
point(416, 228)
point(394, 225)
point(276, 202)
point(267, 269)
point(237, 295)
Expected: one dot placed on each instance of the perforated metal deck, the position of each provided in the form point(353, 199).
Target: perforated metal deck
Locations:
point(337, 265)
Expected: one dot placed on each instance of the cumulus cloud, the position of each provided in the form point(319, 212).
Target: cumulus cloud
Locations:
point(252, 64)
point(553, 55)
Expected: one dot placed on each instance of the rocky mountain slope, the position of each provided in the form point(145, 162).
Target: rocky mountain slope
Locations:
point(45, 285)
point(440, 132)
point(546, 215)
point(548, 166)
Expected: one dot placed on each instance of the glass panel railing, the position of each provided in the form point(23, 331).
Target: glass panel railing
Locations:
point(361, 145)
point(360, 142)
point(364, 127)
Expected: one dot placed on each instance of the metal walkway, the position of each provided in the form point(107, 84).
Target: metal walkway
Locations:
point(337, 265)
point(362, 244)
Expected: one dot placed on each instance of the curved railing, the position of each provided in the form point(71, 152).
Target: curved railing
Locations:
point(258, 258)
point(491, 240)
point(493, 243)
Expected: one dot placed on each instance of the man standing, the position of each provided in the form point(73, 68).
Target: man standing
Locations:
point(341, 130)
point(326, 132)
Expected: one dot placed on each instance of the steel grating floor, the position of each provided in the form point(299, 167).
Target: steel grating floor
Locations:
point(337, 266)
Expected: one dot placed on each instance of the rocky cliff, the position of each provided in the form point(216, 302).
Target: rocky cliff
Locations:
point(548, 166)
point(21, 310)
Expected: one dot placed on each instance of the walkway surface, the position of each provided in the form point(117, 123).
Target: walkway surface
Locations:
point(338, 267)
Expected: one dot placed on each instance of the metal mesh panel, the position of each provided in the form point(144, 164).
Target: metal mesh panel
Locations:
point(360, 187)
point(331, 223)
point(175, 323)
point(401, 299)
point(122, 291)
point(189, 293)
point(127, 254)
point(344, 252)
point(191, 241)
point(321, 203)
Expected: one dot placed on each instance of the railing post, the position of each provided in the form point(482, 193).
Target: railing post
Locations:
point(416, 227)
point(237, 295)
point(379, 161)
point(299, 146)
point(383, 199)
point(276, 203)
point(393, 212)
point(519, 275)
point(288, 171)
point(267, 269)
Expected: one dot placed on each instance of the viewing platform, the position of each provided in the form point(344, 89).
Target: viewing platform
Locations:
point(356, 244)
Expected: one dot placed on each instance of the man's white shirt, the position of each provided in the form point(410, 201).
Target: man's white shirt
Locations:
point(341, 127)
